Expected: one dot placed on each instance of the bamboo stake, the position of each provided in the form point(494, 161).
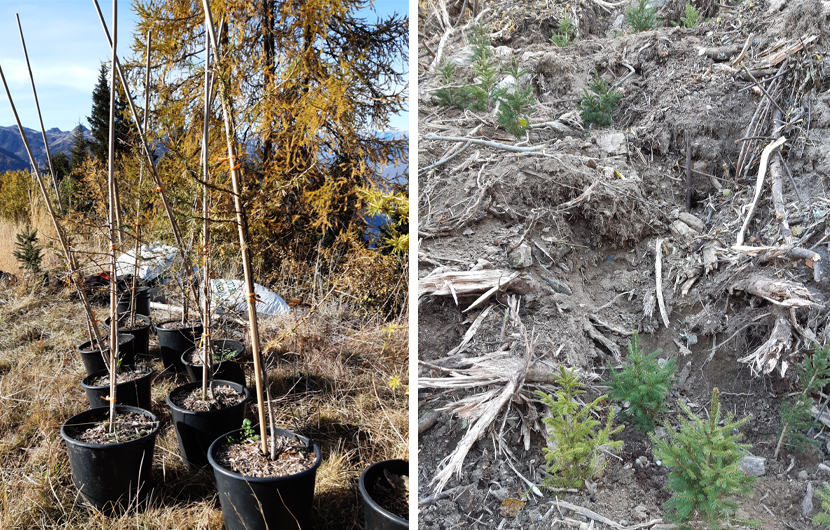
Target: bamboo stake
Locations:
point(65, 244)
point(207, 346)
point(152, 165)
point(112, 206)
point(134, 289)
point(242, 223)
point(39, 117)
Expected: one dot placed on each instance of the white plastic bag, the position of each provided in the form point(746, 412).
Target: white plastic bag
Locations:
point(230, 295)
point(153, 261)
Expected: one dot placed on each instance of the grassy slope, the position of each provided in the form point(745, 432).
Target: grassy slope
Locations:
point(329, 378)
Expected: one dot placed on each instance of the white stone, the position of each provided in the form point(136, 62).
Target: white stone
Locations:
point(754, 466)
point(521, 257)
point(692, 221)
point(613, 143)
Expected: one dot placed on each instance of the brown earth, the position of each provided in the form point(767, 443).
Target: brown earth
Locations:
point(591, 206)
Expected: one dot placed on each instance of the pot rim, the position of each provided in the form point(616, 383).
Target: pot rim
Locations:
point(245, 391)
point(198, 325)
point(125, 316)
point(105, 411)
point(368, 498)
point(148, 370)
point(78, 348)
point(217, 467)
point(238, 356)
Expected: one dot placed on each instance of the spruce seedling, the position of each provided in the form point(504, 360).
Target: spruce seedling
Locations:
point(823, 494)
point(692, 16)
point(597, 106)
point(641, 17)
point(579, 444)
point(513, 110)
point(28, 251)
point(796, 411)
point(704, 459)
point(643, 384)
point(566, 35)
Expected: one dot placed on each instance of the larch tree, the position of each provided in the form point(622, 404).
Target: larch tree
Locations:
point(309, 83)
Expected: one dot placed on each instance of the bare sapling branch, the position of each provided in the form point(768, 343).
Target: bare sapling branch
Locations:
point(112, 224)
point(152, 165)
point(242, 223)
point(207, 345)
point(39, 116)
point(74, 270)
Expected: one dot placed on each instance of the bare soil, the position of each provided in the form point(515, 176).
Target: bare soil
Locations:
point(591, 206)
point(179, 325)
point(247, 458)
point(126, 427)
point(223, 397)
point(123, 376)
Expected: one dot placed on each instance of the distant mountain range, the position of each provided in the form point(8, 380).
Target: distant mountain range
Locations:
point(13, 154)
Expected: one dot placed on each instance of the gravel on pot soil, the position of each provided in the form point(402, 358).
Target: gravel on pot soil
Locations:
point(128, 427)
point(223, 397)
point(246, 459)
point(179, 325)
point(393, 499)
point(122, 376)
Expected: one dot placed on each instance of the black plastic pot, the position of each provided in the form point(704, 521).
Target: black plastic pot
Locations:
point(109, 476)
point(135, 393)
point(195, 431)
point(229, 370)
point(257, 503)
point(174, 342)
point(142, 301)
point(94, 361)
point(141, 345)
point(376, 517)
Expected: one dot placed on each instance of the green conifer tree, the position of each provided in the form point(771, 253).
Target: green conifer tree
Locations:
point(28, 251)
point(99, 119)
point(579, 445)
point(704, 459)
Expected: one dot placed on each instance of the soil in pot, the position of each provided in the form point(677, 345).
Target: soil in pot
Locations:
point(141, 331)
point(176, 338)
point(384, 487)
point(133, 387)
point(198, 422)
point(251, 497)
point(225, 354)
point(111, 469)
point(94, 361)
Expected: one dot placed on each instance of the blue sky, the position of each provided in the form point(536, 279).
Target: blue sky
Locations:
point(66, 47)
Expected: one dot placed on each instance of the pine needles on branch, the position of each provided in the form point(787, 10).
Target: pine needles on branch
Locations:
point(704, 459)
point(796, 411)
point(642, 385)
point(579, 446)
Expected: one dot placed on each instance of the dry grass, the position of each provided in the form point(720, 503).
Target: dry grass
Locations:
point(10, 229)
point(331, 379)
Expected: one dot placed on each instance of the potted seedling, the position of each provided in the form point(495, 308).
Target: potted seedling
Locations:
point(111, 448)
point(384, 487)
point(206, 408)
point(264, 479)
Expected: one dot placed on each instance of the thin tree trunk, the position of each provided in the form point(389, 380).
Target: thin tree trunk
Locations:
point(112, 217)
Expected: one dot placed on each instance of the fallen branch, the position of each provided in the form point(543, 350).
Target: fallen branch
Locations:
point(759, 184)
point(438, 496)
point(765, 358)
point(484, 142)
point(782, 293)
point(658, 274)
point(470, 332)
point(602, 339)
point(455, 283)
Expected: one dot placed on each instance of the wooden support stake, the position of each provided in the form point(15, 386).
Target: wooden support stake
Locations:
point(242, 224)
point(111, 222)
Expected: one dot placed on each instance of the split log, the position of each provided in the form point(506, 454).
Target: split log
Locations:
point(776, 54)
point(765, 358)
point(458, 283)
point(782, 293)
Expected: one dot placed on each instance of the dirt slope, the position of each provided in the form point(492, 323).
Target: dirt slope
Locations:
point(590, 205)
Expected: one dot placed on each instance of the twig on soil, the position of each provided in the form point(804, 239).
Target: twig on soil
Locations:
point(484, 142)
point(763, 90)
point(451, 155)
point(582, 198)
point(602, 339)
point(658, 273)
point(533, 487)
point(470, 332)
point(609, 304)
point(618, 331)
point(759, 183)
point(438, 496)
point(428, 421)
